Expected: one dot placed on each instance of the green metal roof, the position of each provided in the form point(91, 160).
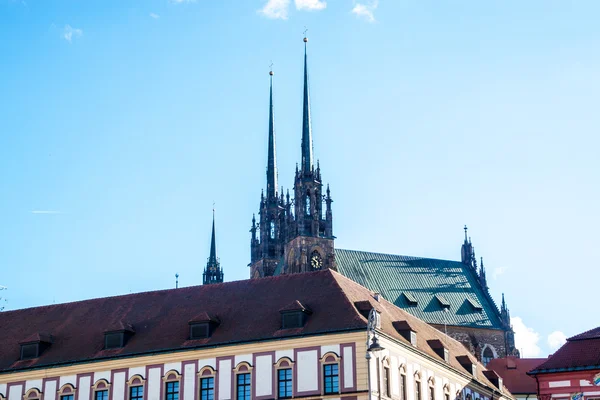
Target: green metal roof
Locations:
point(430, 282)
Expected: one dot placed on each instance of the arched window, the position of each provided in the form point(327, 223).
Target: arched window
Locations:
point(387, 381)
point(100, 390)
point(206, 381)
point(171, 380)
point(284, 369)
point(307, 204)
point(402, 382)
point(431, 388)
point(136, 387)
point(243, 381)
point(331, 373)
point(272, 230)
point(66, 392)
point(418, 386)
point(487, 356)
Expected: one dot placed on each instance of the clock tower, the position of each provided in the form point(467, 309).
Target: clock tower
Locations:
point(310, 245)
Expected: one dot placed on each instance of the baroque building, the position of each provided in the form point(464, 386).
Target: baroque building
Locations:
point(292, 336)
point(295, 235)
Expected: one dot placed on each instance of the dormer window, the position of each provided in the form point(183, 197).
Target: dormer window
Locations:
point(440, 349)
point(474, 305)
point(117, 335)
point(445, 304)
point(202, 326)
point(34, 346)
point(294, 315)
point(410, 299)
point(494, 378)
point(406, 330)
point(467, 363)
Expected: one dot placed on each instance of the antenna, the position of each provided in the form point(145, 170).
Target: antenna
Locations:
point(176, 281)
point(1, 298)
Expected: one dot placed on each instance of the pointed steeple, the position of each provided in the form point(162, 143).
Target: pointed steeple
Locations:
point(272, 157)
point(307, 146)
point(213, 272)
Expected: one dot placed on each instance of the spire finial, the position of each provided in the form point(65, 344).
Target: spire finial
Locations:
point(176, 281)
point(213, 245)
point(466, 233)
point(272, 154)
point(307, 145)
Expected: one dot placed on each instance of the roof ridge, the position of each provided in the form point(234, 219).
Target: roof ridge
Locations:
point(399, 255)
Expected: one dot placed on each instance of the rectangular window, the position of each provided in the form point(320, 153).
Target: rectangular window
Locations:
point(207, 388)
point(66, 397)
point(172, 392)
point(136, 393)
point(331, 378)
point(402, 387)
point(284, 383)
point(101, 395)
point(431, 393)
point(243, 387)
point(417, 390)
point(386, 382)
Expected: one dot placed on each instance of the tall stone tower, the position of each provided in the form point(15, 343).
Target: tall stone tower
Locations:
point(270, 235)
point(212, 272)
point(311, 229)
point(293, 235)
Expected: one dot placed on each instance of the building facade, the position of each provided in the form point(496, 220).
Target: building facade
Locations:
point(298, 336)
point(295, 235)
point(573, 371)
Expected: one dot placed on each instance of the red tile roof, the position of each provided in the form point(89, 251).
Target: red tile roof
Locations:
point(514, 373)
point(247, 311)
point(580, 352)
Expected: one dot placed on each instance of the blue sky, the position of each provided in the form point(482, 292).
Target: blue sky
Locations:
point(122, 121)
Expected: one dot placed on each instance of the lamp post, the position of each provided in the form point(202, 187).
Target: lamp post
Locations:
point(372, 344)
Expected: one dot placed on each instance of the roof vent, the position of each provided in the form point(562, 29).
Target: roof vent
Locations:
point(406, 330)
point(34, 345)
point(377, 296)
point(410, 299)
point(439, 348)
point(202, 326)
point(443, 302)
point(494, 378)
point(467, 363)
point(475, 304)
point(117, 335)
point(294, 315)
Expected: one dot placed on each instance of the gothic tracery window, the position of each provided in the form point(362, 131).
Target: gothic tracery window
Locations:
point(272, 230)
point(487, 356)
point(307, 205)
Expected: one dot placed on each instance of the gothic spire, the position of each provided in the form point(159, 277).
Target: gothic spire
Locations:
point(272, 158)
point(213, 272)
point(212, 259)
point(307, 146)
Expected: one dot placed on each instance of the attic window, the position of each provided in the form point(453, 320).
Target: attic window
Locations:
point(406, 330)
point(468, 364)
point(494, 378)
point(202, 326)
point(443, 302)
point(34, 346)
point(117, 335)
point(410, 299)
point(440, 349)
point(475, 304)
point(294, 315)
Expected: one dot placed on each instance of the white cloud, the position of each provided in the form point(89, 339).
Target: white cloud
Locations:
point(366, 10)
point(155, 16)
point(46, 212)
point(498, 271)
point(556, 339)
point(311, 5)
point(69, 32)
point(526, 339)
point(275, 9)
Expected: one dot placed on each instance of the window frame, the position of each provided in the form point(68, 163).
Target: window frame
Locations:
point(242, 368)
point(402, 383)
point(172, 377)
point(285, 363)
point(206, 373)
point(431, 389)
point(329, 360)
point(418, 387)
point(101, 385)
point(31, 394)
point(134, 382)
point(386, 378)
point(65, 391)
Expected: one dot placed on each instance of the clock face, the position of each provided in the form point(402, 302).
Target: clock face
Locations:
point(316, 262)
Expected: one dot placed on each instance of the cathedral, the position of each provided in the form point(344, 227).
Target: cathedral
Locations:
point(295, 235)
